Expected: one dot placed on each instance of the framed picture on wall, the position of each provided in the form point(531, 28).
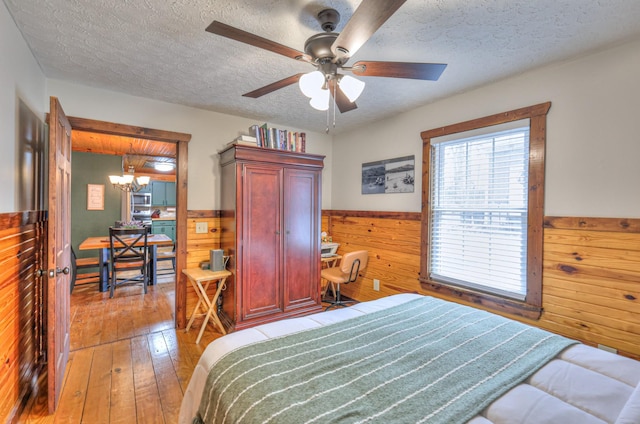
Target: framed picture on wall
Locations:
point(389, 176)
point(95, 197)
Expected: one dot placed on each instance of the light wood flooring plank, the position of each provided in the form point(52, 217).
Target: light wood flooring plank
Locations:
point(74, 392)
point(92, 334)
point(123, 401)
point(96, 409)
point(110, 319)
point(181, 358)
point(148, 407)
point(125, 322)
point(169, 387)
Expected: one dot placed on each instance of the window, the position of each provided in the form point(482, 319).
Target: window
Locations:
point(483, 210)
point(479, 212)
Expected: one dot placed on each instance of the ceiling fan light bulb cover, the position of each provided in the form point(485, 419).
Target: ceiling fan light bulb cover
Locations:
point(143, 181)
point(114, 179)
point(351, 87)
point(321, 100)
point(311, 83)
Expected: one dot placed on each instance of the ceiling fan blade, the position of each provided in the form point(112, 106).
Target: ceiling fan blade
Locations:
point(273, 86)
point(254, 40)
point(421, 71)
point(366, 20)
point(342, 101)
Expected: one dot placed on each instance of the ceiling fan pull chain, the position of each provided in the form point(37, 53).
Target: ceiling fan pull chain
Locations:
point(327, 128)
point(334, 103)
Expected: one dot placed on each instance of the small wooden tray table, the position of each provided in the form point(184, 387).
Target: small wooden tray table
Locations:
point(197, 277)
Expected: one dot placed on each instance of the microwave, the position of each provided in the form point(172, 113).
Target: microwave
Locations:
point(141, 199)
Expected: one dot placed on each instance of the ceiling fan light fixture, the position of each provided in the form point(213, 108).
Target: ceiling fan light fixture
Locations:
point(311, 84)
point(351, 87)
point(320, 101)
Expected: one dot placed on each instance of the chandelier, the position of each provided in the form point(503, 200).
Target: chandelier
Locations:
point(127, 182)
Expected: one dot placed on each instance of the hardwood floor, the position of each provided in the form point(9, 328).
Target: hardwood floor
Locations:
point(128, 364)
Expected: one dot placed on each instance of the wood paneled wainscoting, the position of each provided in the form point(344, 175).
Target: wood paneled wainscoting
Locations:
point(22, 241)
point(591, 277)
point(393, 242)
point(591, 281)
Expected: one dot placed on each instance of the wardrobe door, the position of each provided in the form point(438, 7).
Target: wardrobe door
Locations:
point(301, 222)
point(260, 291)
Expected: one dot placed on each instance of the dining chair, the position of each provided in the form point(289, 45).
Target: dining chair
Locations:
point(167, 256)
point(128, 252)
point(83, 263)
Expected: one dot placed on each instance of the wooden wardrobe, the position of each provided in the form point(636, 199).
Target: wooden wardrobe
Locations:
point(271, 206)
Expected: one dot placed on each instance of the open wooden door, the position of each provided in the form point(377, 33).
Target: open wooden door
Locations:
point(58, 251)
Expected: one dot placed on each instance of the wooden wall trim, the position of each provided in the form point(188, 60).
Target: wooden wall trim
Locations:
point(181, 232)
point(92, 125)
point(407, 216)
point(194, 214)
point(626, 225)
point(499, 118)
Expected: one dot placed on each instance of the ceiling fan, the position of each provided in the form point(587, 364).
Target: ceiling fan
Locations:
point(329, 52)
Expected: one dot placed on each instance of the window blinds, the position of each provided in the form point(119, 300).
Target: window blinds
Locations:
point(479, 211)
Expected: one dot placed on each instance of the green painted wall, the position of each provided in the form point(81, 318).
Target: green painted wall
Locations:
point(90, 168)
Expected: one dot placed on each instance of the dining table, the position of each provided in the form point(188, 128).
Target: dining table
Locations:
point(102, 244)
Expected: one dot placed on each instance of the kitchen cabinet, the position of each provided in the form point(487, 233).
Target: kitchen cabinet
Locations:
point(146, 189)
point(163, 193)
point(271, 230)
point(163, 226)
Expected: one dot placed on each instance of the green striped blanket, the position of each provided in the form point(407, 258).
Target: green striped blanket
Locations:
point(425, 361)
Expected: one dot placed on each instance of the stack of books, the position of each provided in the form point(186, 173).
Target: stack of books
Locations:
point(248, 140)
point(273, 138)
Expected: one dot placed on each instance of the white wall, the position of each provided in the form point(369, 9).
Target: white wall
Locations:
point(592, 143)
point(20, 78)
point(593, 146)
point(210, 133)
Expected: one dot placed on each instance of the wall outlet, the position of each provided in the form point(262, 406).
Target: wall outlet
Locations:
point(376, 284)
point(201, 228)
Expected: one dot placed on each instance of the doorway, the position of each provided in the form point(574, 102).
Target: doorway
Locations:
point(149, 139)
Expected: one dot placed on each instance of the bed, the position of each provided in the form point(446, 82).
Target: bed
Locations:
point(408, 358)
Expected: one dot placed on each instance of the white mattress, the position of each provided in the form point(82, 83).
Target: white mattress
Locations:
point(582, 385)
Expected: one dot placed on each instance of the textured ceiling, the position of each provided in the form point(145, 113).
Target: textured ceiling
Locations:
point(159, 48)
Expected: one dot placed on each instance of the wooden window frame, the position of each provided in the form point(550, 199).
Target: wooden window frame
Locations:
point(531, 307)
